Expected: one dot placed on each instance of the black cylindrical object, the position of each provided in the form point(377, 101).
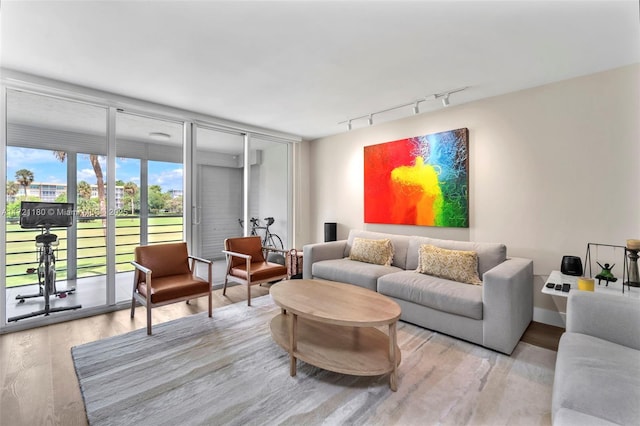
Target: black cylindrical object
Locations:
point(330, 231)
point(571, 265)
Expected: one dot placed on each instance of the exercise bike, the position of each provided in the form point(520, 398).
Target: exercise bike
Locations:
point(46, 215)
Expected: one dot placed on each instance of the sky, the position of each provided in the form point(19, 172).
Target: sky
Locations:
point(47, 168)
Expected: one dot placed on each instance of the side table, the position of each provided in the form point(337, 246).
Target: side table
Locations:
point(614, 288)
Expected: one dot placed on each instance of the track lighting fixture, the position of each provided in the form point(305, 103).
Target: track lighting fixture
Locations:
point(443, 97)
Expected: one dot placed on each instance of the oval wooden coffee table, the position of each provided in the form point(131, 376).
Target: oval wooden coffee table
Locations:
point(332, 326)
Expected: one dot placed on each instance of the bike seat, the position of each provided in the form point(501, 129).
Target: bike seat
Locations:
point(46, 239)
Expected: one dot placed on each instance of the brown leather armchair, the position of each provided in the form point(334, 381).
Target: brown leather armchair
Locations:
point(173, 279)
point(247, 265)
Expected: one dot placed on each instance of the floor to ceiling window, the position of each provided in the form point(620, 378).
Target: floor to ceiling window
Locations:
point(149, 188)
point(220, 202)
point(51, 144)
point(134, 178)
point(269, 190)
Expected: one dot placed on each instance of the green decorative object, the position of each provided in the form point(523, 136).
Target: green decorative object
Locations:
point(606, 274)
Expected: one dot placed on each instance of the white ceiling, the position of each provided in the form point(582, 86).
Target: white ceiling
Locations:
point(301, 67)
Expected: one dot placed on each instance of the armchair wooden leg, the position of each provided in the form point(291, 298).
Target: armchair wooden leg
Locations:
point(210, 305)
point(248, 295)
point(148, 319)
point(133, 306)
point(224, 287)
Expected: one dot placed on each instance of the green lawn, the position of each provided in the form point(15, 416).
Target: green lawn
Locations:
point(22, 253)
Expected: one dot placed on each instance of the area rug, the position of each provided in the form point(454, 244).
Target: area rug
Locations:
point(227, 370)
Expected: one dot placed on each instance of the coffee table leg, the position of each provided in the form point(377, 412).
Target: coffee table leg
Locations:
point(293, 330)
point(393, 376)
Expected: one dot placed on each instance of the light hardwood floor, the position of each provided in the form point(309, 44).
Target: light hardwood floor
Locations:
point(39, 384)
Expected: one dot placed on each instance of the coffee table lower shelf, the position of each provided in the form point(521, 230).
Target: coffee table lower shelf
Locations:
point(360, 351)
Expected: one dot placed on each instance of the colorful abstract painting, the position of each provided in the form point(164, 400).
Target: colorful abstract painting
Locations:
point(418, 181)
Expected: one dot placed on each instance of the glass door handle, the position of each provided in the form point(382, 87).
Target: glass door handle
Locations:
point(196, 215)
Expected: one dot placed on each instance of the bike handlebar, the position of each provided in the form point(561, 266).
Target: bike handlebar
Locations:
point(255, 222)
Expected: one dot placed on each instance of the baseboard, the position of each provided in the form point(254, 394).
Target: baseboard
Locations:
point(549, 317)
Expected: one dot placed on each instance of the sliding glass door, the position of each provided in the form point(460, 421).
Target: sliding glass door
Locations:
point(54, 148)
point(124, 196)
point(224, 206)
point(134, 178)
point(269, 190)
point(149, 188)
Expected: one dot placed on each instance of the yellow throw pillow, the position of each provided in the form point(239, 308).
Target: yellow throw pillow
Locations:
point(455, 265)
point(379, 252)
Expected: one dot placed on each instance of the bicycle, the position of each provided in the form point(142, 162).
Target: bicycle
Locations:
point(269, 239)
point(45, 242)
point(46, 271)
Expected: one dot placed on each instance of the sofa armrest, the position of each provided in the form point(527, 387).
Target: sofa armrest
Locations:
point(605, 316)
point(321, 251)
point(507, 296)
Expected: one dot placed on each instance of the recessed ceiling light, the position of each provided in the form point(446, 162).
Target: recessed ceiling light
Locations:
point(160, 135)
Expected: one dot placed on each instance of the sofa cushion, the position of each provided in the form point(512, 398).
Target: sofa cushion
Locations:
point(400, 245)
point(379, 252)
point(351, 272)
point(455, 265)
point(490, 255)
point(598, 378)
point(437, 293)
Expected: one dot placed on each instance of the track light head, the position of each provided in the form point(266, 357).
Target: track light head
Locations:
point(415, 104)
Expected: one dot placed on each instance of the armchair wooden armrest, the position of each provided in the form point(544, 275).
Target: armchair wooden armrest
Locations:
point(233, 253)
point(141, 268)
point(269, 250)
point(199, 259)
point(284, 252)
point(209, 264)
point(247, 257)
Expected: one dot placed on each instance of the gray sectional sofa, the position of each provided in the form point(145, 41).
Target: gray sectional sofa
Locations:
point(494, 314)
point(597, 375)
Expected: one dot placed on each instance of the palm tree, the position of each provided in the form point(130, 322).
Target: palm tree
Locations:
point(12, 188)
point(100, 182)
point(24, 177)
point(84, 190)
point(95, 163)
point(131, 189)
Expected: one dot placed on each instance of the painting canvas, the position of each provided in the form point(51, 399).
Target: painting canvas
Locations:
point(421, 180)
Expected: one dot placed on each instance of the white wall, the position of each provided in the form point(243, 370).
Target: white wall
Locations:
point(551, 169)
